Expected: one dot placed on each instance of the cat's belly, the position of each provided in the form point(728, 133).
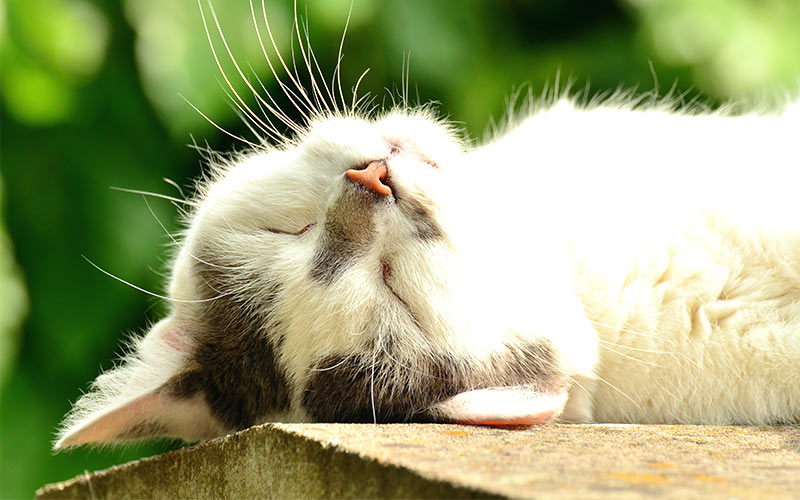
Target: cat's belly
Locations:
point(696, 326)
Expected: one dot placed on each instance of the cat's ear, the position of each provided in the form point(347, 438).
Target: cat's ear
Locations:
point(502, 406)
point(156, 392)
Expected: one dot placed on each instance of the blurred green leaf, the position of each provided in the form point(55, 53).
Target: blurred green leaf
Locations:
point(49, 47)
point(737, 48)
point(14, 305)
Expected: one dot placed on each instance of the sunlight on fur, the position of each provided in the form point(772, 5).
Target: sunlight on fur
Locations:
point(617, 259)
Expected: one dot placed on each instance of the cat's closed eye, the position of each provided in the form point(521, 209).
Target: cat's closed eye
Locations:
point(292, 233)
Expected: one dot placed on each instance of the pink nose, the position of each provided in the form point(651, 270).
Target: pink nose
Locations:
point(372, 177)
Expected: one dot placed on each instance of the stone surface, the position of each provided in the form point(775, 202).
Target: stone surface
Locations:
point(414, 460)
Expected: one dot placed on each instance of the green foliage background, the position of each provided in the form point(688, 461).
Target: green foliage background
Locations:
point(91, 98)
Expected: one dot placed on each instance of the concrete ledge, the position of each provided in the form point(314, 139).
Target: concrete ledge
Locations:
point(414, 460)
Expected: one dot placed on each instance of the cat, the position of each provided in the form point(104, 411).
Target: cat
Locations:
point(620, 260)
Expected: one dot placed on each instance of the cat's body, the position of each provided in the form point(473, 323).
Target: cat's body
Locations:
point(685, 239)
point(609, 264)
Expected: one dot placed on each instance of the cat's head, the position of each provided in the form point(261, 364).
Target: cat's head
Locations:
point(327, 280)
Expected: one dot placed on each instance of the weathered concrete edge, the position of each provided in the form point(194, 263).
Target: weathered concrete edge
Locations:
point(267, 461)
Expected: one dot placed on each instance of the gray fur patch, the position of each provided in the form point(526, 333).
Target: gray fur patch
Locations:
point(426, 227)
point(349, 230)
point(344, 389)
point(235, 364)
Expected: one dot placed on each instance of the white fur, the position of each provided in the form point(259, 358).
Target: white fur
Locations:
point(657, 251)
point(685, 237)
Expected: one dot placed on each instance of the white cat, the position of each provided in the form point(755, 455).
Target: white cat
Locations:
point(601, 263)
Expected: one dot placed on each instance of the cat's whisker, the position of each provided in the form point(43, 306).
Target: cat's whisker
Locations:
point(319, 97)
point(233, 60)
point(154, 195)
point(253, 127)
point(406, 80)
point(391, 95)
point(175, 185)
point(249, 116)
point(315, 109)
point(273, 110)
point(284, 138)
point(308, 104)
point(372, 380)
point(354, 107)
point(340, 363)
point(288, 92)
point(313, 59)
point(148, 292)
point(368, 106)
point(212, 122)
point(675, 352)
point(213, 48)
point(655, 337)
point(180, 245)
point(207, 154)
point(267, 110)
point(337, 72)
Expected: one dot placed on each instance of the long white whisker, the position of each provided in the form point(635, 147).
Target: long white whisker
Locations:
point(245, 118)
point(282, 116)
point(154, 195)
point(175, 185)
point(180, 245)
point(355, 89)
point(212, 122)
point(239, 70)
point(337, 73)
point(308, 104)
point(276, 110)
point(148, 292)
point(340, 363)
point(213, 49)
point(313, 59)
point(372, 383)
point(405, 78)
point(315, 90)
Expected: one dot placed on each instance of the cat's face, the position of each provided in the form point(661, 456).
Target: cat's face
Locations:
point(356, 279)
point(331, 280)
point(325, 266)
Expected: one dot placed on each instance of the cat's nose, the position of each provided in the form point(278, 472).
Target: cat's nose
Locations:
point(373, 177)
